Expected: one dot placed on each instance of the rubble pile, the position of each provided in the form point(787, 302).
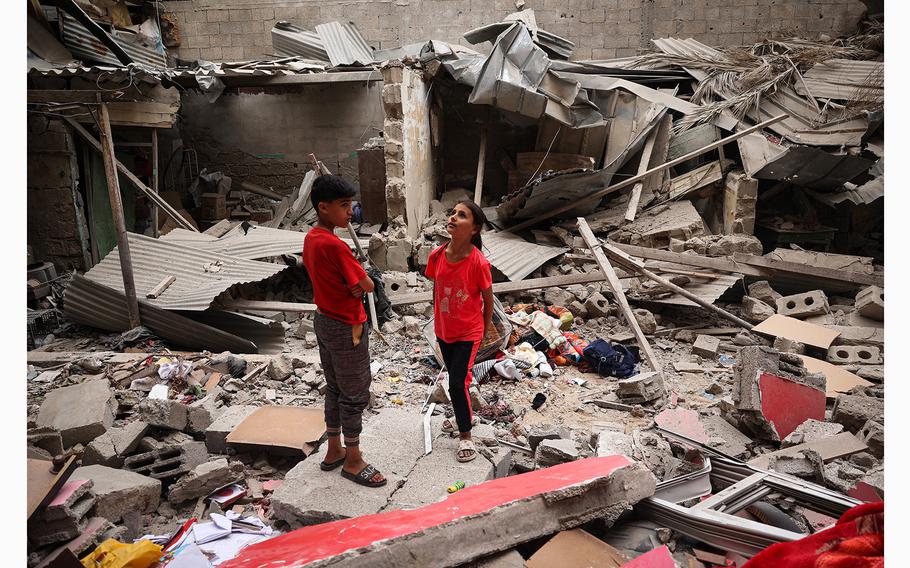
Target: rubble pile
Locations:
point(661, 335)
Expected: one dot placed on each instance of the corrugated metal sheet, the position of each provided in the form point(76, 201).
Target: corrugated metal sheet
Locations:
point(288, 39)
point(516, 257)
point(344, 44)
point(194, 289)
point(845, 79)
point(258, 242)
point(93, 304)
point(85, 46)
point(804, 125)
point(266, 334)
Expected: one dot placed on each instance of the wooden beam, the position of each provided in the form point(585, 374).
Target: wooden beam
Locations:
point(259, 190)
point(155, 180)
point(161, 287)
point(619, 295)
point(265, 306)
point(50, 96)
point(156, 199)
point(683, 185)
point(804, 270)
point(481, 161)
point(599, 194)
point(642, 167)
point(720, 264)
point(628, 263)
point(113, 189)
point(508, 287)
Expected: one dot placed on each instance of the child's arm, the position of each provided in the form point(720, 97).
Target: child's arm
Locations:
point(364, 286)
point(487, 295)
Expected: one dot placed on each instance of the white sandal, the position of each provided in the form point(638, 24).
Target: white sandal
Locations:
point(465, 446)
point(450, 426)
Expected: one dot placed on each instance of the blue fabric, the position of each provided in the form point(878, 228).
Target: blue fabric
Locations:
point(611, 360)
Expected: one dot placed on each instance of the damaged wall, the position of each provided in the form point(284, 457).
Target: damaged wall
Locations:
point(218, 30)
point(55, 223)
point(264, 135)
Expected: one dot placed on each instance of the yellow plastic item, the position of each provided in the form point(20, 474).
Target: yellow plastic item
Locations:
point(115, 554)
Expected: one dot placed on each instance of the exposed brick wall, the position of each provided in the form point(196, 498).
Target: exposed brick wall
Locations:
point(53, 226)
point(224, 30)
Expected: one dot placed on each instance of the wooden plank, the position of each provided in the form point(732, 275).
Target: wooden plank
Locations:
point(481, 162)
point(155, 229)
point(618, 294)
point(720, 264)
point(52, 96)
point(161, 287)
point(42, 482)
point(680, 186)
point(831, 448)
point(508, 287)
point(599, 194)
point(265, 306)
point(642, 167)
point(795, 269)
point(113, 188)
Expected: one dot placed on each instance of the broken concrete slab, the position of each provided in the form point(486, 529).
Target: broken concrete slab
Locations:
point(838, 446)
point(204, 479)
point(427, 481)
point(763, 291)
point(201, 413)
point(393, 442)
point(46, 438)
point(483, 519)
point(682, 421)
point(806, 464)
point(164, 413)
point(643, 387)
point(216, 433)
point(507, 559)
point(706, 346)
point(118, 492)
point(111, 447)
point(756, 310)
point(854, 411)
point(853, 335)
point(614, 442)
point(679, 220)
point(552, 452)
point(725, 437)
point(873, 435)
point(83, 422)
point(169, 462)
point(810, 431)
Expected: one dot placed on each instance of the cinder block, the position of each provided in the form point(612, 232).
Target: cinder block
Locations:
point(597, 305)
point(803, 305)
point(168, 463)
point(851, 354)
point(706, 346)
point(169, 414)
point(870, 303)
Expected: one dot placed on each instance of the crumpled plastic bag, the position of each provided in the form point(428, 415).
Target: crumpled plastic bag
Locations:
point(115, 554)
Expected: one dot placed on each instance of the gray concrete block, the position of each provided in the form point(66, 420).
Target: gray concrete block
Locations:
point(502, 462)
point(118, 492)
point(101, 450)
point(756, 310)
point(203, 412)
point(597, 306)
point(854, 411)
point(614, 443)
point(873, 434)
point(217, 432)
point(204, 479)
point(706, 346)
point(855, 354)
point(169, 414)
point(810, 431)
point(552, 452)
point(870, 303)
point(169, 462)
point(507, 559)
point(643, 387)
point(80, 412)
point(646, 320)
point(803, 305)
point(763, 291)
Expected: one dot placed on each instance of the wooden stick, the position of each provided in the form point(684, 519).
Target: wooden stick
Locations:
point(113, 189)
point(157, 199)
point(632, 180)
point(155, 180)
point(642, 167)
point(161, 287)
point(628, 263)
point(481, 159)
point(620, 296)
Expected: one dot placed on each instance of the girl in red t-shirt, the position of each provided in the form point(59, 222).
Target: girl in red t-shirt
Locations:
point(462, 310)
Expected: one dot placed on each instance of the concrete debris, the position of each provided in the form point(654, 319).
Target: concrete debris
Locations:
point(216, 434)
point(756, 310)
point(854, 411)
point(721, 245)
point(83, 422)
point(118, 492)
point(552, 452)
point(873, 434)
point(810, 431)
point(169, 462)
point(706, 346)
point(65, 517)
point(203, 479)
point(646, 320)
point(111, 447)
point(870, 303)
point(643, 387)
point(164, 413)
point(763, 291)
point(806, 464)
point(801, 306)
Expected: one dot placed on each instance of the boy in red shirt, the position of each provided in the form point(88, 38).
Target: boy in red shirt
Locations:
point(462, 311)
point(339, 283)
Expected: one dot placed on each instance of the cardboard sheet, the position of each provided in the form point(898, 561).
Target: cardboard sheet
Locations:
point(576, 549)
point(796, 330)
point(839, 380)
point(288, 427)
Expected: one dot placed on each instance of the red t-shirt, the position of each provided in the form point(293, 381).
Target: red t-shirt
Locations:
point(457, 299)
point(333, 269)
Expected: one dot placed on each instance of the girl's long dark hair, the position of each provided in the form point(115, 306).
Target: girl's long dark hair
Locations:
point(480, 219)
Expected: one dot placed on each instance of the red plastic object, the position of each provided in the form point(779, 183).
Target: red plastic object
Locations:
point(786, 404)
point(318, 542)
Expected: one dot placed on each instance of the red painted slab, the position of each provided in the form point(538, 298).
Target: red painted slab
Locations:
point(786, 404)
point(865, 492)
point(317, 542)
point(658, 558)
point(682, 421)
point(68, 489)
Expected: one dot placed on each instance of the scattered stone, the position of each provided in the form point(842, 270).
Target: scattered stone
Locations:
point(763, 291)
point(855, 411)
point(643, 387)
point(715, 388)
point(552, 452)
point(873, 434)
point(205, 478)
point(412, 327)
point(870, 303)
point(477, 400)
point(166, 413)
point(806, 465)
point(83, 422)
point(810, 431)
point(217, 432)
point(789, 346)
point(706, 346)
point(539, 434)
point(612, 443)
point(310, 340)
point(46, 438)
point(863, 460)
point(118, 492)
point(755, 310)
point(646, 320)
point(597, 306)
point(281, 367)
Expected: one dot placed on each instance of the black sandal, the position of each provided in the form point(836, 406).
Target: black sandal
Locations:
point(364, 477)
point(330, 466)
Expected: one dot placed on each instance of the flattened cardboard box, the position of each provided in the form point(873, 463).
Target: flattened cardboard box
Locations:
point(284, 429)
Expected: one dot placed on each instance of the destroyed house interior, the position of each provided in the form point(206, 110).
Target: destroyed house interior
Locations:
point(672, 220)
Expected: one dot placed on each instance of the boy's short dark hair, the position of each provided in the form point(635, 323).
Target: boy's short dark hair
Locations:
point(330, 188)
